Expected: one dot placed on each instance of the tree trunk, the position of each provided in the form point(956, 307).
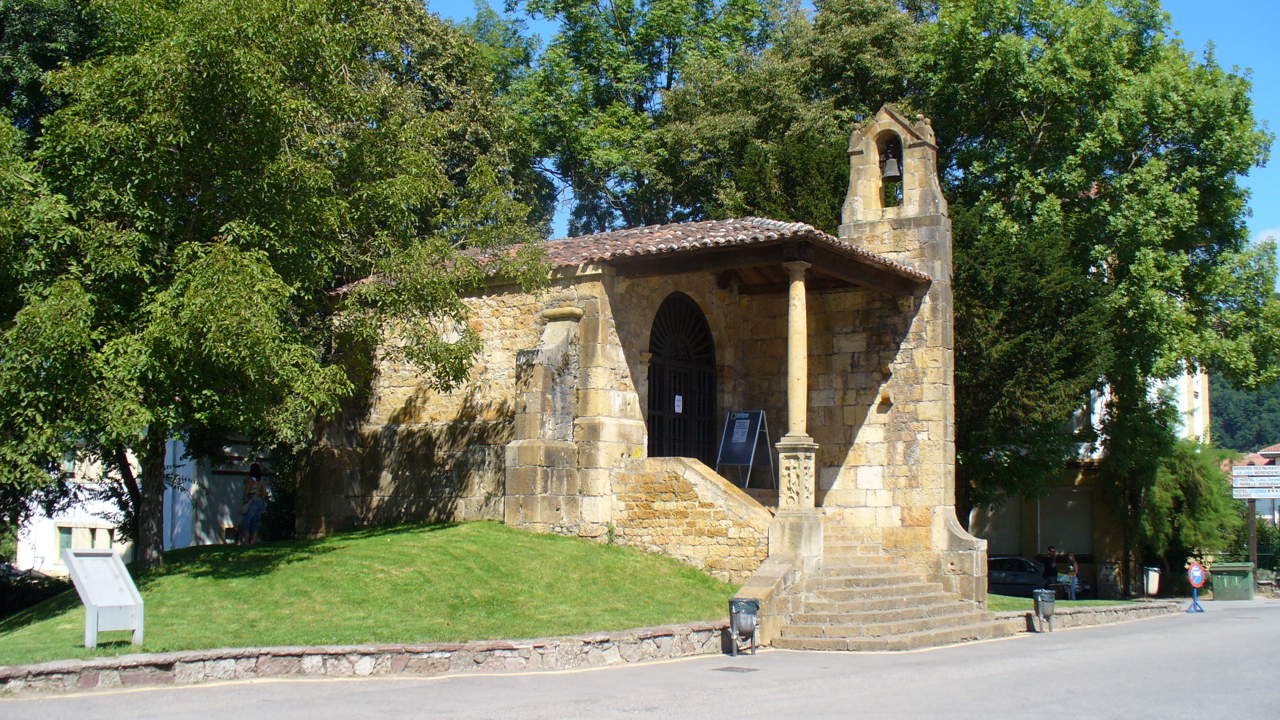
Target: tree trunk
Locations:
point(150, 511)
point(121, 459)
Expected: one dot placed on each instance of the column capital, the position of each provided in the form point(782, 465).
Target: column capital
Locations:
point(796, 267)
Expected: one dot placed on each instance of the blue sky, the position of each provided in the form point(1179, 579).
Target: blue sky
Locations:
point(1245, 35)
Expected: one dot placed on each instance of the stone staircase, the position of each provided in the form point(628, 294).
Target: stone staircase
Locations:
point(862, 599)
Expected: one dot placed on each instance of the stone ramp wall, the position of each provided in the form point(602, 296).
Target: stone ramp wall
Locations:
point(196, 666)
point(681, 508)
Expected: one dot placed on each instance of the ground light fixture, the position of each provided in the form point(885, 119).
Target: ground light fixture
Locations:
point(1044, 602)
point(744, 624)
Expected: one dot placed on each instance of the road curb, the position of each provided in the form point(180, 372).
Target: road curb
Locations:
point(1021, 621)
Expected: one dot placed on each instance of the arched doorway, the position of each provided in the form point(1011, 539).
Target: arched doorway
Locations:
point(682, 382)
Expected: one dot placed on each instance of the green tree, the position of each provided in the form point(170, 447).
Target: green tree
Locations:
point(765, 132)
point(37, 36)
point(1190, 511)
point(233, 195)
point(598, 89)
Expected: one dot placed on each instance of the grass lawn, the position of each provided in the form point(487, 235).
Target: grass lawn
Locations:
point(384, 585)
point(1004, 603)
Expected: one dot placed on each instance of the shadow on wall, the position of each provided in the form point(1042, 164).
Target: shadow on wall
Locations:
point(407, 471)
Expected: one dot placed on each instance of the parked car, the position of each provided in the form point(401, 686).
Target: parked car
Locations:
point(1018, 576)
point(1011, 575)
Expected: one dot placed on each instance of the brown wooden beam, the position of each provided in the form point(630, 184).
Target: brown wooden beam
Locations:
point(827, 262)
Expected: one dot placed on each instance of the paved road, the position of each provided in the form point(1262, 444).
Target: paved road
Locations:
point(1221, 664)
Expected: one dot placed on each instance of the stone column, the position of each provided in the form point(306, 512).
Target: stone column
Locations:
point(796, 450)
point(797, 530)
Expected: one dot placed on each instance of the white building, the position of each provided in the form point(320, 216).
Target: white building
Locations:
point(199, 509)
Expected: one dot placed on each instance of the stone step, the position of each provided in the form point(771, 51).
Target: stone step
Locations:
point(843, 572)
point(875, 602)
point(842, 549)
point(856, 582)
point(962, 618)
point(933, 637)
point(889, 613)
point(906, 592)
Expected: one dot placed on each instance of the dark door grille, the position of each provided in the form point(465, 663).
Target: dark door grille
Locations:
point(682, 382)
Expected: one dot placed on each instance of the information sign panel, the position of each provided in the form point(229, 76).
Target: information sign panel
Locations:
point(1255, 482)
point(111, 600)
point(1240, 471)
point(738, 443)
point(1256, 493)
point(743, 431)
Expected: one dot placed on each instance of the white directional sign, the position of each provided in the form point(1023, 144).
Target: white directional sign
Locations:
point(1255, 493)
point(1255, 482)
point(1271, 471)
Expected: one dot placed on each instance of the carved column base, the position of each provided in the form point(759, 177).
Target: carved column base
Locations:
point(797, 455)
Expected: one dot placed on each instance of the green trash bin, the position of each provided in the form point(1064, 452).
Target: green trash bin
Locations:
point(1232, 581)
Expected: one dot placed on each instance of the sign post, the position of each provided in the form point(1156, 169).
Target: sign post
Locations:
point(1196, 575)
point(1253, 483)
point(111, 600)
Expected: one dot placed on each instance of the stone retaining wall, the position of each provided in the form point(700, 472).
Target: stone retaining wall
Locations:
point(1012, 623)
point(681, 508)
point(195, 666)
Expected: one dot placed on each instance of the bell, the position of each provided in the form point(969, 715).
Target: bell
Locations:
point(891, 172)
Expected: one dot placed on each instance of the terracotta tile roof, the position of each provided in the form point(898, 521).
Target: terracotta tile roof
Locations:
point(676, 238)
point(1270, 450)
point(1254, 459)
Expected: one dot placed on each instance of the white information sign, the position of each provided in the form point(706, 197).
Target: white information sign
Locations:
point(679, 403)
point(1257, 493)
point(1242, 471)
point(111, 600)
point(1255, 482)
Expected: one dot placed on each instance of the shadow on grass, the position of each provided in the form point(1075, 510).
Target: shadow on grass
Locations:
point(54, 606)
point(221, 562)
point(240, 561)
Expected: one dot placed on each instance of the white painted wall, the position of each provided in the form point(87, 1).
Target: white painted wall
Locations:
point(196, 511)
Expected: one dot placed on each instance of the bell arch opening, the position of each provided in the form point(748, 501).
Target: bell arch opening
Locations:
point(682, 382)
point(889, 147)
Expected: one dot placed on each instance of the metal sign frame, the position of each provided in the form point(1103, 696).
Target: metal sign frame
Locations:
point(733, 426)
point(111, 600)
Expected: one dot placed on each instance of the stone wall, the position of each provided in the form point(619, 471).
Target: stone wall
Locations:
point(405, 451)
point(199, 666)
point(680, 508)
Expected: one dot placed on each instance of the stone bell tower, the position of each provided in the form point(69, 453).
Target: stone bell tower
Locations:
point(895, 208)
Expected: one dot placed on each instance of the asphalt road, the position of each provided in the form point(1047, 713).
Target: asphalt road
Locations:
point(1220, 664)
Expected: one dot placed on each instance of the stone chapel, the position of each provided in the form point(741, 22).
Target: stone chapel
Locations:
point(598, 404)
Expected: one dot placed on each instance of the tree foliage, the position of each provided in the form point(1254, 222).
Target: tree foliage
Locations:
point(191, 241)
point(598, 90)
point(37, 36)
point(1190, 511)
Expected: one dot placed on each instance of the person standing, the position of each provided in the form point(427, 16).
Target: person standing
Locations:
point(1051, 567)
point(255, 504)
point(1073, 576)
